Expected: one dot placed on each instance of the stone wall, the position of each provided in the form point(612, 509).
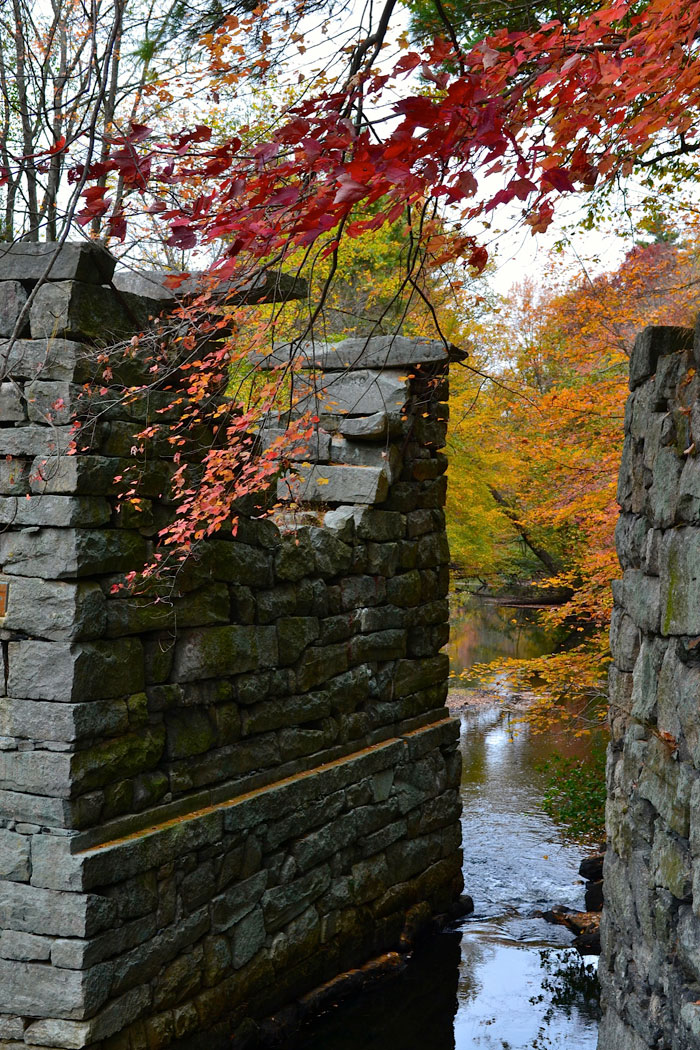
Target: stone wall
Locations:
point(210, 805)
point(650, 968)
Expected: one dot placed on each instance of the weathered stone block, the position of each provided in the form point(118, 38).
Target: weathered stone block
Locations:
point(335, 484)
point(74, 1035)
point(76, 310)
point(75, 672)
point(51, 359)
point(218, 651)
point(381, 351)
point(52, 609)
point(24, 947)
point(138, 614)
point(52, 402)
point(316, 448)
point(319, 663)
point(240, 899)
point(29, 908)
point(63, 511)
point(116, 760)
point(331, 556)
point(94, 475)
point(64, 553)
point(12, 301)
point(37, 720)
point(12, 408)
point(283, 903)
point(37, 772)
point(240, 563)
point(294, 634)
point(640, 599)
point(410, 676)
point(14, 856)
point(679, 568)
point(654, 342)
point(248, 938)
point(73, 261)
point(45, 991)
point(46, 442)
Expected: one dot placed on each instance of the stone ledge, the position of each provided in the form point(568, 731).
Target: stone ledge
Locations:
point(432, 733)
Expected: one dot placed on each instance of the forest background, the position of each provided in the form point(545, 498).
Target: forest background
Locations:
point(383, 154)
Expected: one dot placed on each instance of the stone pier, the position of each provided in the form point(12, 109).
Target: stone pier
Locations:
point(650, 967)
point(211, 805)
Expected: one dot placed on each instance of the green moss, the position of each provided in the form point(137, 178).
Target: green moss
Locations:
point(669, 612)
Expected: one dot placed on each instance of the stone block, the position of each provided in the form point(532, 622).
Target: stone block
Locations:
point(360, 591)
point(73, 672)
point(29, 908)
point(46, 442)
point(294, 634)
point(640, 599)
point(65, 553)
point(238, 901)
point(248, 937)
point(12, 301)
point(45, 991)
point(654, 342)
point(283, 903)
point(362, 454)
point(380, 351)
point(240, 563)
point(34, 809)
point(14, 856)
point(116, 760)
point(36, 772)
point(11, 404)
point(52, 402)
point(331, 557)
point(47, 721)
point(293, 561)
point(316, 448)
point(51, 359)
point(319, 663)
point(378, 647)
point(334, 484)
point(358, 393)
point(58, 511)
point(14, 476)
point(77, 310)
point(138, 614)
point(56, 610)
point(410, 676)
point(73, 261)
point(74, 1035)
point(24, 947)
point(679, 568)
point(218, 651)
point(374, 427)
point(11, 1027)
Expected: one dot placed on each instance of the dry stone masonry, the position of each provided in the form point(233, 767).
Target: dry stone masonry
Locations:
point(210, 806)
point(650, 968)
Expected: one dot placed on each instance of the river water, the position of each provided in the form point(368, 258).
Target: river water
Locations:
point(500, 979)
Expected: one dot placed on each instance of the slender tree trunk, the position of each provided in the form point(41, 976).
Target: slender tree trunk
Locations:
point(28, 166)
point(511, 513)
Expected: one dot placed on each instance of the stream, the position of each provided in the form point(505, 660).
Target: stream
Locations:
point(499, 979)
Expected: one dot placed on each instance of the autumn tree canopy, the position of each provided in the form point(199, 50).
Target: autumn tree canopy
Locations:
point(117, 121)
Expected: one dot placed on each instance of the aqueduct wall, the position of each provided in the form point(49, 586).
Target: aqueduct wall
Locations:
point(650, 967)
point(210, 806)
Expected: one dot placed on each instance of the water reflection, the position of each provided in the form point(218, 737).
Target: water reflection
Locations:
point(414, 1011)
point(483, 631)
